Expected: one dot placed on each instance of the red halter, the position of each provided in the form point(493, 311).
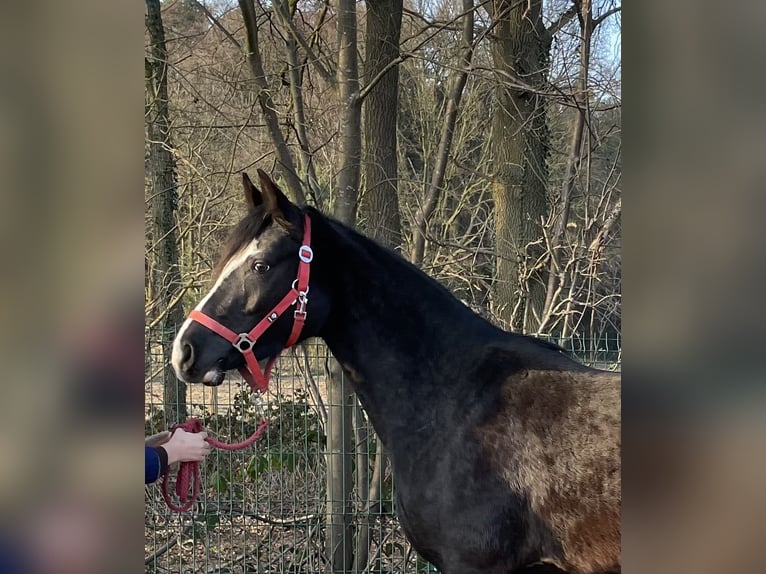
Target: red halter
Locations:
point(244, 342)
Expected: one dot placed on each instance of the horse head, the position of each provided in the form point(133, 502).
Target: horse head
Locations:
point(258, 304)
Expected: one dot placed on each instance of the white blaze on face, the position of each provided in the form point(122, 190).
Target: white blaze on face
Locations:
point(237, 260)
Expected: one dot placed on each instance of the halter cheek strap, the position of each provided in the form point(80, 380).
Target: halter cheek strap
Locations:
point(244, 342)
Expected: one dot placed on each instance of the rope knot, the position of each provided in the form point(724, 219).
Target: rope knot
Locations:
point(192, 425)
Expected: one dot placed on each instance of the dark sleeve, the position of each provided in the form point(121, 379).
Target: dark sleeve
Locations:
point(156, 463)
point(12, 557)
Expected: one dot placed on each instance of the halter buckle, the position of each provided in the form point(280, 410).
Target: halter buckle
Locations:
point(300, 303)
point(306, 254)
point(244, 343)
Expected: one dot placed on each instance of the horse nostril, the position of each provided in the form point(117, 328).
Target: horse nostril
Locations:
point(187, 356)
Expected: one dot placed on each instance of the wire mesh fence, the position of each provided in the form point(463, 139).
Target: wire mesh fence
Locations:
point(264, 509)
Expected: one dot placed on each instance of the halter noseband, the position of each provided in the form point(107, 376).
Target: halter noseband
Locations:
point(244, 342)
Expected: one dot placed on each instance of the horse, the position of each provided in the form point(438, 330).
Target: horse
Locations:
point(504, 449)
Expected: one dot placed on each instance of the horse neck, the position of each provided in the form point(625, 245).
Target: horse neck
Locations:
point(400, 337)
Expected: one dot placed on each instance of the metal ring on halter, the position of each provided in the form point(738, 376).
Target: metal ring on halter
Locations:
point(244, 343)
point(309, 254)
point(295, 286)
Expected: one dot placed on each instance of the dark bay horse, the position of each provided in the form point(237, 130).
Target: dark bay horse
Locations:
point(505, 452)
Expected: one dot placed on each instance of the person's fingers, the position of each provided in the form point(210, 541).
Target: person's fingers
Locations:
point(203, 434)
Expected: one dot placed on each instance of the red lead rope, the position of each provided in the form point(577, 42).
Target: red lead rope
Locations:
point(258, 380)
point(188, 472)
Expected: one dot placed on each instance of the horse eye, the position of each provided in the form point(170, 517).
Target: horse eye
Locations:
point(260, 267)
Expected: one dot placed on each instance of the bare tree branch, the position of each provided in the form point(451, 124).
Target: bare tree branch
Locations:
point(267, 103)
point(556, 26)
point(606, 15)
point(215, 22)
point(597, 244)
point(327, 76)
point(445, 143)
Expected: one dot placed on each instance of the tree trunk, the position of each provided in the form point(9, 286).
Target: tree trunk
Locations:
point(381, 201)
point(520, 144)
point(340, 455)
point(361, 440)
point(166, 276)
point(340, 462)
point(350, 134)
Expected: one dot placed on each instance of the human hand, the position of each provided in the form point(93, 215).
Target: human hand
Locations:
point(186, 447)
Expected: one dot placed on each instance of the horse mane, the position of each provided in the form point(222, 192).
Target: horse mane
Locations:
point(369, 249)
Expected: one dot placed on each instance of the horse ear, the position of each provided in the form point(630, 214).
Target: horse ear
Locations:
point(252, 195)
point(276, 202)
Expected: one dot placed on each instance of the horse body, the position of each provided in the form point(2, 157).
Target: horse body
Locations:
point(505, 452)
point(506, 444)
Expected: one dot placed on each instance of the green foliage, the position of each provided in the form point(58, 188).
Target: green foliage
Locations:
point(219, 481)
point(270, 461)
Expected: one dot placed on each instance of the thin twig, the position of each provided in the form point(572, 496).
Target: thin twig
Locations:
point(168, 545)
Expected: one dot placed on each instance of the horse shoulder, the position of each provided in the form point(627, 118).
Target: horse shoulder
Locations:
point(555, 439)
